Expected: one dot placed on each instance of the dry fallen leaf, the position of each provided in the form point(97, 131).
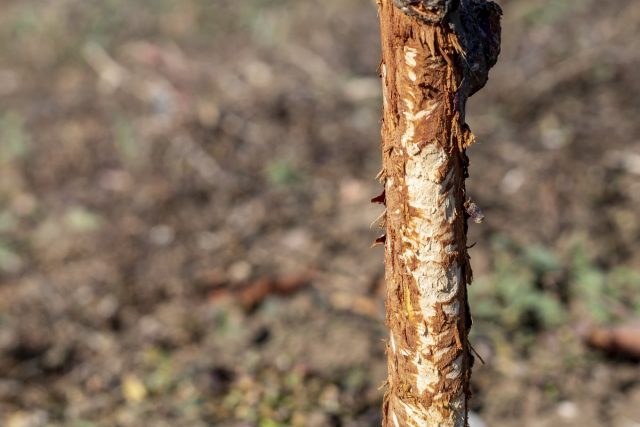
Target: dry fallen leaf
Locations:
point(622, 340)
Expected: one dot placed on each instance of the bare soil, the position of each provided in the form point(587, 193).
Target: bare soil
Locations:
point(185, 205)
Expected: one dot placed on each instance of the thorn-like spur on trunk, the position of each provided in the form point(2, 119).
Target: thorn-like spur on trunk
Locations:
point(381, 198)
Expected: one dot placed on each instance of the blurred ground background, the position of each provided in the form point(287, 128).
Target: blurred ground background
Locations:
point(184, 214)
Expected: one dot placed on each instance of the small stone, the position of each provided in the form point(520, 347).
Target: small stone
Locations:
point(567, 410)
point(161, 235)
point(240, 271)
point(513, 181)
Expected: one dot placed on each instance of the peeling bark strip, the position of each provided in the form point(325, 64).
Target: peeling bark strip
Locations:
point(435, 53)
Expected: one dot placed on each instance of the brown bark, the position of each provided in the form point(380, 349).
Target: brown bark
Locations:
point(427, 266)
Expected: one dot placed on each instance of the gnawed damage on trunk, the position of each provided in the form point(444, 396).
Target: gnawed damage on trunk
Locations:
point(425, 87)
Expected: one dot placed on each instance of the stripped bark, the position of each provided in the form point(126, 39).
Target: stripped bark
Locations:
point(432, 61)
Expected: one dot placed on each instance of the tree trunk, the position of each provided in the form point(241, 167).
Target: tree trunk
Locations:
point(435, 54)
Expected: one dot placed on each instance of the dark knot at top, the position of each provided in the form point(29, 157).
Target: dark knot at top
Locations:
point(427, 11)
